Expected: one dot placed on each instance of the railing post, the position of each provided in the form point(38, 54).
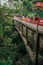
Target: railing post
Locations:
point(27, 34)
point(22, 29)
point(37, 43)
point(16, 23)
point(19, 25)
point(37, 48)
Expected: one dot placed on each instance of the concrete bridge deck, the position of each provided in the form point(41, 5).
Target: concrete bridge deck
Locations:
point(28, 31)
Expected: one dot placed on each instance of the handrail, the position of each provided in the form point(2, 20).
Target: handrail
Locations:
point(30, 25)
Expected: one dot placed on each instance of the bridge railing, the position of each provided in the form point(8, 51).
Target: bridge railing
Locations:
point(34, 40)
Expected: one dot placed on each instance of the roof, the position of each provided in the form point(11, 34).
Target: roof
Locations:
point(39, 4)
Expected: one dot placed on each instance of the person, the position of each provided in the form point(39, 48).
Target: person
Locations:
point(28, 19)
point(37, 20)
point(36, 17)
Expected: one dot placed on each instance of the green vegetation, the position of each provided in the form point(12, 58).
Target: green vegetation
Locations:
point(12, 49)
point(39, 13)
point(26, 8)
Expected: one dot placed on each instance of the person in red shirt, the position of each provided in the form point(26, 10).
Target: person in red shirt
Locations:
point(37, 20)
point(36, 17)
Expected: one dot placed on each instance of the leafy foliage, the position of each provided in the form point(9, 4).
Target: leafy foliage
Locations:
point(12, 49)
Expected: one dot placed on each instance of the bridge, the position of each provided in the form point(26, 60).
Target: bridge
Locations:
point(32, 38)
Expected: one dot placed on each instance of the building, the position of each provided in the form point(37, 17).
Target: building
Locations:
point(38, 4)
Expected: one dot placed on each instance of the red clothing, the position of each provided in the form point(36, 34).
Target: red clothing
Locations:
point(36, 18)
point(28, 20)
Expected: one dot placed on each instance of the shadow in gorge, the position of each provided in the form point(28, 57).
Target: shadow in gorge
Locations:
point(12, 48)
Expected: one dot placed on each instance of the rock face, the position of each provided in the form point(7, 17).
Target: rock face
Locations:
point(11, 6)
point(3, 2)
point(8, 3)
